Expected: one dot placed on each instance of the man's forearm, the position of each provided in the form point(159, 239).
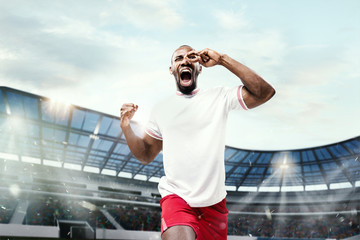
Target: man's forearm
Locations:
point(255, 85)
point(136, 144)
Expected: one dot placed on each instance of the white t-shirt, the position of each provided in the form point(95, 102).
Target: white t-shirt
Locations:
point(192, 128)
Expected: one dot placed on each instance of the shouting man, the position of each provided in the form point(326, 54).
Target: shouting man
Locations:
point(189, 127)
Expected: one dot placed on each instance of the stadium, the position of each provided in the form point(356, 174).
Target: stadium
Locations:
point(66, 172)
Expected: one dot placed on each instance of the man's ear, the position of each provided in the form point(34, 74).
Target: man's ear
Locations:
point(170, 70)
point(200, 69)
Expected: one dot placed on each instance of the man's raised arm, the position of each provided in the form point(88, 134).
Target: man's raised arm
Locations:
point(256, 90)
point(145, 149)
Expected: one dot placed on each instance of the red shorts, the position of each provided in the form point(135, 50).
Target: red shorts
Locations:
point(208, 222)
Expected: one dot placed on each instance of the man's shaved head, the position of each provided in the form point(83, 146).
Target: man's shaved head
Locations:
point(182, 46)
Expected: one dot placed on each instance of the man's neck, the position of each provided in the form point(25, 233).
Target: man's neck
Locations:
point(192, 93)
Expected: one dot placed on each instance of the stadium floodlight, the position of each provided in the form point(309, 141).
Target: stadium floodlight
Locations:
point(56, 107)
point(154, 179)
point(94, 136)
point(140, 177)
point(247, 189)
point(125, 175)
point(292, 188)
point(284, 166)
point(14, 190)
point(52, 163)
point(57, 102)
point(357, 184)
point(316, 187)
point(27, 159)
point(91, 169)
point(340, 185)
point(9, 156)
point(72, 166)
point(108, 172)
point(269, 189)
point(230, 188)
point(283, 161)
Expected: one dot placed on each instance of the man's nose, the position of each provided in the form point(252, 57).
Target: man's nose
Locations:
point(185, 62)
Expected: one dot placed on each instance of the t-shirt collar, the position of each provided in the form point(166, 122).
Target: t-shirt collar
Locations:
point(193, 93)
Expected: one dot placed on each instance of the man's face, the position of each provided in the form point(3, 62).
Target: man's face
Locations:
point(185, 72)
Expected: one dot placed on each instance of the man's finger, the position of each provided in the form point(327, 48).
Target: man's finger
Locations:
point(129, 106)
point(127, 114)
point(204, 52)
point(193, 59)
point(205, 58)
point(125, 109)
point(192, 56)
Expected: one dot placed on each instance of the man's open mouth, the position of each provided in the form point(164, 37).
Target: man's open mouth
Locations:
point(186, 78)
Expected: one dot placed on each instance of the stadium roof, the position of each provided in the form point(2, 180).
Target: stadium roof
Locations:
point(37, 130)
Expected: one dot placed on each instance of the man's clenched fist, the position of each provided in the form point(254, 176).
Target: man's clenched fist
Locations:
point(127, 112)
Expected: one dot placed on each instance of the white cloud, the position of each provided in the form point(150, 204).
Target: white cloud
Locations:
point(151, 14)
point(231, 20)
point(70, 26)
point(351, 60)
point(7, 54)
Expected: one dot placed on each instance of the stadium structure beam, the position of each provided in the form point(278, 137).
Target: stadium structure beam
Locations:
point(266, 169)
point(302, 171)
point(159, 167)
point(91, 142)
point(116, 141)
point(282, 178)
point(236, 165)
point(89, 147)
point(109, 153)
point(68, 128)
point(322, 171)
point(349, 150)
point(40, 132)
point(336, 160)
point(138, 170)
point(246, 174)
point(86, 157)
point(6, 101)
point(129, 156)
point(8, 111)
point(232, 155)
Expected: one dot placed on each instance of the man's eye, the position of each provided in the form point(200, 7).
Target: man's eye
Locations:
point(178, 58)
point(191, 56)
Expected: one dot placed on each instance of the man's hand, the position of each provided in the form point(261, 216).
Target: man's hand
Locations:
point(206, 57)
point(127, 112)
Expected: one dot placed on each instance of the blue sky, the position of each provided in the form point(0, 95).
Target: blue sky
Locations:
point(100, 54)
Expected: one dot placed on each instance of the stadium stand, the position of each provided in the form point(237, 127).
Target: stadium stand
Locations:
point(67, 166)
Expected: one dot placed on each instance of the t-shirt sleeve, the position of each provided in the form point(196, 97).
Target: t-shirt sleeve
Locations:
point(152, 128)
point(234, 98)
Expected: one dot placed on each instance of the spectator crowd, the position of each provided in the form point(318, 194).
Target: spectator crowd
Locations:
point(341, 223)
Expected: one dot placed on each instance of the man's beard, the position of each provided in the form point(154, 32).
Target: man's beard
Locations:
point(186, 90)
